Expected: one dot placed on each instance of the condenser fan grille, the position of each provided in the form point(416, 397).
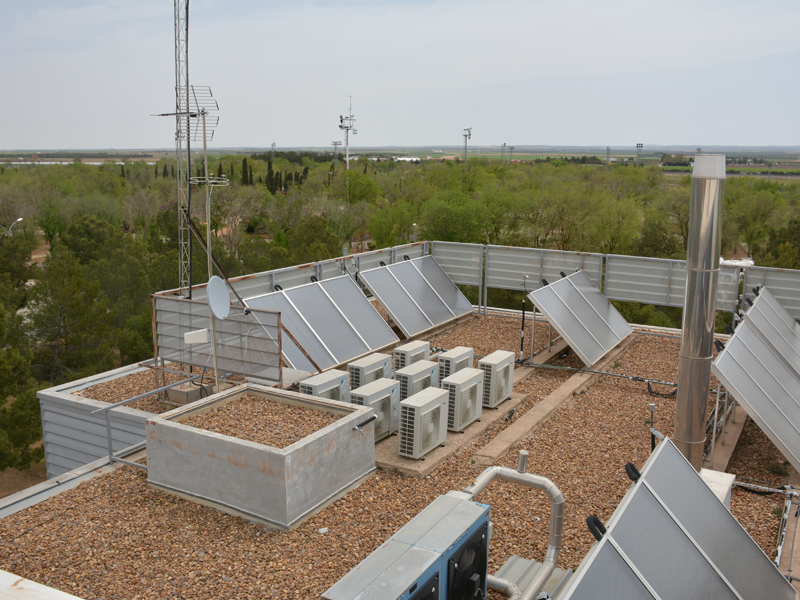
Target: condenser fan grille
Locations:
point(382, 408)
point(428, 590)
point(468, 560)
point(429, 424)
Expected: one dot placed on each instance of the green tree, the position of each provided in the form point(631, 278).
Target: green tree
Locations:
point(70, 322)
point(312, 240)
point(245, 179)
point(454, 216)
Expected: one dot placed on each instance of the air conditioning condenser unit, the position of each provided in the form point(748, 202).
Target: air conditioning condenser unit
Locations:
point(368, 369)
point(423, 422)
point(498, 377)
point(333, 385)
point(383, 396)
point(454, 360)
point(415, 378)
point(464, 393)
point(409, 353)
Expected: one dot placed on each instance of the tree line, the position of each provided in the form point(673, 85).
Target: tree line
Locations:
point(112, 233)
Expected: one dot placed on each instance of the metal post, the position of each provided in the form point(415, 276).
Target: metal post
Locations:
point(652, 426)
point(697, 338)
point(714, 430)
point(208, 247)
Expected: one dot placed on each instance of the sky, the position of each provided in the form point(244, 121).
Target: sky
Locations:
point(88, 74)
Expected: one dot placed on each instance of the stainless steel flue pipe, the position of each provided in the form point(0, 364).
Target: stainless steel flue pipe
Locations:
point(700, 304)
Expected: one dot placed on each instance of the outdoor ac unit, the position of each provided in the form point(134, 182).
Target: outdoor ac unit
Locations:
point(408, 354)
point(498, 377)
point(454, 360)
point(415, 378)
point(441, 554)
point(383, 396)
point(333, 385)
point(423, 422)
point(368, 369)
point(465, 392)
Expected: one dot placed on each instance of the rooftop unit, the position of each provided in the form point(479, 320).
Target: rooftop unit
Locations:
point(382, 396)
point(423, 422)
point(333, 385)
point(454, 360)
point(498, 377)
point(465, 390)
point(412, 352)
point(441, 554)
point(368, 369)
point(415, 378)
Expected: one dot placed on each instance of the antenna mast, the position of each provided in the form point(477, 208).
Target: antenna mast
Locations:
point(347, 124)
point(182, 147)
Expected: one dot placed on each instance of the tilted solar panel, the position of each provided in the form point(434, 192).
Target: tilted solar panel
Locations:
point(582, 315)
point(671, 537)
point(417, 294)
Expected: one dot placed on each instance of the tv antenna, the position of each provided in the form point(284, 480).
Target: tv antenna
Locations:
point(203, 103)
point(347, 125)
point(467, 135)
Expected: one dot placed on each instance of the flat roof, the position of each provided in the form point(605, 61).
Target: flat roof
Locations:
point(114, 537)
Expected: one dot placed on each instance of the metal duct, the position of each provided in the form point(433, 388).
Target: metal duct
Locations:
point(556, 524)
point(699, 313)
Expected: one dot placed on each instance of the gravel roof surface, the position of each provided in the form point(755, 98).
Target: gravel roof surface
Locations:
point(134, 384)
point(263, 421)
point(113, 537)
point(755, 454)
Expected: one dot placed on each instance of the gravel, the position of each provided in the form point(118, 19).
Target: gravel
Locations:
point(134, 384)
point(114, 537)
point(263, 421)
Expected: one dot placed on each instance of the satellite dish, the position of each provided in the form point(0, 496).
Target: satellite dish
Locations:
point(218, 300)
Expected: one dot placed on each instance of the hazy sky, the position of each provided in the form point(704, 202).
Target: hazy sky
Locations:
point(89, 73)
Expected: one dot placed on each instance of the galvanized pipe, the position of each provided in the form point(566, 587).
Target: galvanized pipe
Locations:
point(556, 517)
point(700, 303)
point(503, 586)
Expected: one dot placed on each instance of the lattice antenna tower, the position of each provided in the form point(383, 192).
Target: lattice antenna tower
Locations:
point(503, 152)
point(608, 155)
point(639, 153)
point(347, 124)
point(511, 153)
point(182, 146)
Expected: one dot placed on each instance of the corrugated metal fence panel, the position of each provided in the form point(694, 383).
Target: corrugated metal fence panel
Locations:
point(463, 263)
point(73, 437)
point(294, 276)
point(506, 266)
point(246, 344)
point(556, 261)
point(647, 280)
point(372, 260)
point(784, 284)
point(334, 268)
point(414, 250)
point(661, 281)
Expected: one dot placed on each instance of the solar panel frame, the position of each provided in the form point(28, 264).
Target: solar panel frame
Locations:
point(715, 551)
point(417, 294)
point(332, 332)
point(765, 385)
point(582, 316)
point(776, 326)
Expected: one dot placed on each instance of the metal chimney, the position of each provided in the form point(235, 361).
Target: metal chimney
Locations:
point(700, 303)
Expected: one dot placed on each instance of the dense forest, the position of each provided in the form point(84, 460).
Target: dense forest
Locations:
point(112, 235)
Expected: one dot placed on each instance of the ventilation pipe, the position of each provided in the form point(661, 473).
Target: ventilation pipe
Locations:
point(700, 303)
point(520, 477)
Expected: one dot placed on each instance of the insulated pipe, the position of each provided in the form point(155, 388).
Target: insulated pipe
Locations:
point(700, 303)
point(509, 588)
point(556, 518)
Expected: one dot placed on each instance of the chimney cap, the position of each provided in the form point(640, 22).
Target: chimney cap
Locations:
point(709, 166)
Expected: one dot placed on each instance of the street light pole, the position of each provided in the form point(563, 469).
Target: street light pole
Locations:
point(467, 135)
point(8, 231)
